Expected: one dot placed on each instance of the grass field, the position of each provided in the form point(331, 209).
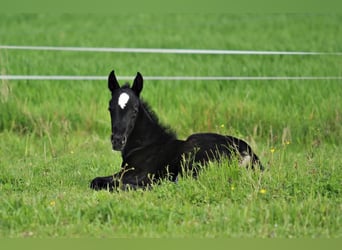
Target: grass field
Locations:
point(54, 135)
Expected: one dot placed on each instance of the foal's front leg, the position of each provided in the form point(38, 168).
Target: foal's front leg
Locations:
point(124, 179)
point(106, 182)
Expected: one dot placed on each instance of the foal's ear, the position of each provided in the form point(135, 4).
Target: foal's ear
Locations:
point(138, 84)
point(112, 82)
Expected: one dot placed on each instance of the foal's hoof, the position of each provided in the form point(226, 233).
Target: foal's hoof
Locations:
point(100, 183)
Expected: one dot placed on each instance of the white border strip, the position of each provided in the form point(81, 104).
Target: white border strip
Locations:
point(166, 51)
point(167, 78)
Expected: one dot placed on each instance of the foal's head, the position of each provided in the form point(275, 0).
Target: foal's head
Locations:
point(123, 108)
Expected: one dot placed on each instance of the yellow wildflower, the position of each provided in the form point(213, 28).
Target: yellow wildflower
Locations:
point(262, 191)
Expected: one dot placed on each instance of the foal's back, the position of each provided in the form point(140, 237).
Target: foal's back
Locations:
point(204, 147)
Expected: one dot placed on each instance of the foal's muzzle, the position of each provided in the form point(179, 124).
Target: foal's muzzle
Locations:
point(118, 142)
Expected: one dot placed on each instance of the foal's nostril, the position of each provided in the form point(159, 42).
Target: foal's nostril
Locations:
point(118, 141)
point(123, 141)
point(113, 139)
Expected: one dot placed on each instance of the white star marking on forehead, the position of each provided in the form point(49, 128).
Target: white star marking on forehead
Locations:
point(123, 99)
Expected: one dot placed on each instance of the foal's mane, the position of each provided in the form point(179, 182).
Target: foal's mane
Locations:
point(153, 117)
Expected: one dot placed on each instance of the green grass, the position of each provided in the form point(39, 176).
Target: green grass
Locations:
point(54, 135)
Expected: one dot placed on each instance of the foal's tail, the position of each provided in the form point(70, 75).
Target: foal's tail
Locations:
point(248, 157)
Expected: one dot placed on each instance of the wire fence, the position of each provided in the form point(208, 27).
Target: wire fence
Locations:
point(168, 51)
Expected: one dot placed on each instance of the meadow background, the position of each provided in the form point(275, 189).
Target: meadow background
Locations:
point(54, 135)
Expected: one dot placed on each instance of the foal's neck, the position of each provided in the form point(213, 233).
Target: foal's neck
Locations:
point(147, 132)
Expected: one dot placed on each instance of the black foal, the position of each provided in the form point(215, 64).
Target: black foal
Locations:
point(151, 152)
